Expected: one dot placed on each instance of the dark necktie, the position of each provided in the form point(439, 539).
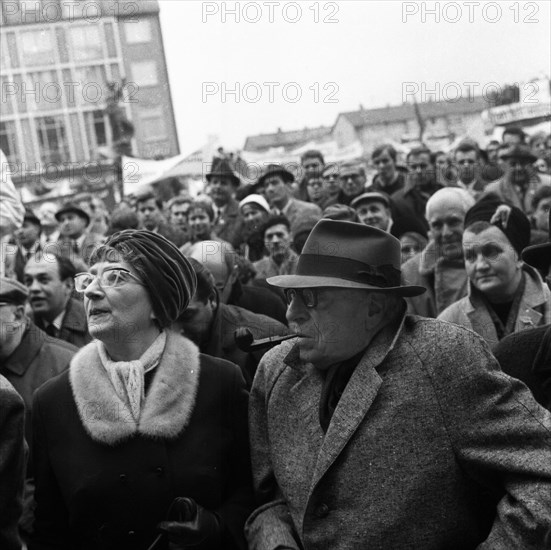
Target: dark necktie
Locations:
point(51, 330)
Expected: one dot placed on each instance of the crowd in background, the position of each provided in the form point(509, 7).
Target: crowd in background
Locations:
point(463, 220)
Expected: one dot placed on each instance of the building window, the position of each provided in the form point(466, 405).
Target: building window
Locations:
point(8, 139)
point(96, 131)
point(86, 42)
point(152, 124)
point(91, 88)
point(144, 73)
point(138, 32)
point(37, 47)
point(42, 91)
point(52, 139)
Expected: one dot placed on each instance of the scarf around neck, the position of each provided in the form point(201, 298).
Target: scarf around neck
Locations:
point(127, 377)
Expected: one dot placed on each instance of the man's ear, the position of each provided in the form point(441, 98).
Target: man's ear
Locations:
point(19, 313)
point(375, 303)
point(68, 283)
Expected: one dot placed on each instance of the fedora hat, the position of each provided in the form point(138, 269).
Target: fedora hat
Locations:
point(274, 170)
point(72, 207)
point(348, 255)
point(223, 169)
point(539, 255)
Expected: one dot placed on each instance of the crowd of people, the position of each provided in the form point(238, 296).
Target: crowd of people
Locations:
point(307, 360)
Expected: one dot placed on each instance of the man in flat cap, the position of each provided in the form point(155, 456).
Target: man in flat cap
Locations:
point(520, 181)
point(28, 358)
point(374, 429)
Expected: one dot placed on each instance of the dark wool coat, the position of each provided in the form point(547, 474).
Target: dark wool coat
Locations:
point(104, 481)
point(228, 227)
point(38, 358)
point(12, 464)
point(74, 327)
point(431, 447)
point(526, 355)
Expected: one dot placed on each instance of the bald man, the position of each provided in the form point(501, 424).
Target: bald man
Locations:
point(440, 266)
point(223, 262)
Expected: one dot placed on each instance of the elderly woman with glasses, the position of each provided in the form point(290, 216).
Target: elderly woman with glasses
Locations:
point(505, 295)
point(143, 442)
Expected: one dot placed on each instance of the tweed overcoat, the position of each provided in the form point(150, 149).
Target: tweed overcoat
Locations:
point(430, 447)
point(100, 484)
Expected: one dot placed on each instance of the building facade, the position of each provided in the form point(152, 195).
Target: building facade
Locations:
point(443, 122)
point(58, 58)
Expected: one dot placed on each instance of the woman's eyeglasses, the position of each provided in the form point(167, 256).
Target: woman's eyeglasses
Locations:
point(107, 279)
point(309, 296)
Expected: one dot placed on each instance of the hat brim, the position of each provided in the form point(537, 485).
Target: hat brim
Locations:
point(234, 179)
point(535, 256)
point(77, 211)
point(313, 281)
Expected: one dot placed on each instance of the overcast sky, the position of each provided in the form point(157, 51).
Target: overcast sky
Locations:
point(358, 52)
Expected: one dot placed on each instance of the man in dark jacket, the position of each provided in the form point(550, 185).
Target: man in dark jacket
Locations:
point(222, 182)
point(28, 358)
point(49, 279)
point(221, 261)
point(409, 202)
point(526, 355)
point(12, 464)
point(211, 324)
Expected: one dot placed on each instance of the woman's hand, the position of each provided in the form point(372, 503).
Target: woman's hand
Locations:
point(189, 525)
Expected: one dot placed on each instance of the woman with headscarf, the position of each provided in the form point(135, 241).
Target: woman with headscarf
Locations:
point(143, 442)
point(505, 295)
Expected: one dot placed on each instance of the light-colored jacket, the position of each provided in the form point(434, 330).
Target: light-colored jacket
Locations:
point(534, 310)
point(431, 446)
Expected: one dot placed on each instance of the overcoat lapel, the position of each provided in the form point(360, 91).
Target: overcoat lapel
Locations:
point(357, 398)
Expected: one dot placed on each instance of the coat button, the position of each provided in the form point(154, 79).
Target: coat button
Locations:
point(322, 511)
point(131, 533)
point(122, 477)
point(159, 471)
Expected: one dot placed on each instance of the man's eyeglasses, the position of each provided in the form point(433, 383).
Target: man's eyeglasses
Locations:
point(109, 278)
point(309, 296)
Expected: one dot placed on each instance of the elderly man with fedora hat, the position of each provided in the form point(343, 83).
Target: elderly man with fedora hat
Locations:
point(526, 355)
point(520, 181)
point(222, 182)
point(275, 183)
point(374, 429)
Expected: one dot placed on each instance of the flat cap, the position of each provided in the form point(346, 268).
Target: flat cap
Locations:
point(12, 291)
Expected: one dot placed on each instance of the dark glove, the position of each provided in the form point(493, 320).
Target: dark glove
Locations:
point(189, 525)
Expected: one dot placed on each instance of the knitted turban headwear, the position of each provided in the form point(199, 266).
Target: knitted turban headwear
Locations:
point(509, 219)
point(164, 270)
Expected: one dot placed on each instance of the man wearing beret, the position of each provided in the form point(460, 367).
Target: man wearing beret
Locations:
point(28, 358)
point(520, 181)
point(376, 430)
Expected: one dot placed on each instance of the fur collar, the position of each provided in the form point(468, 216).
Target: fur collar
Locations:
point(168, 404)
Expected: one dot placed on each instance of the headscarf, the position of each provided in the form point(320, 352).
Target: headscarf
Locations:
point(164, 270)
